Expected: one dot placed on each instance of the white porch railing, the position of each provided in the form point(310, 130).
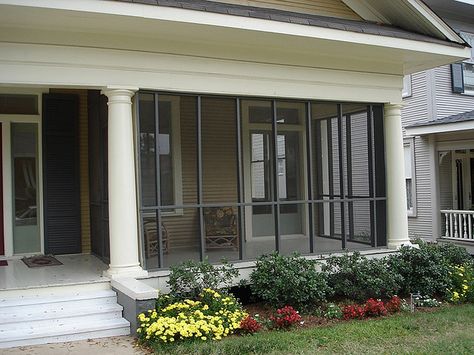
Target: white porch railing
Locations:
point(458, 224)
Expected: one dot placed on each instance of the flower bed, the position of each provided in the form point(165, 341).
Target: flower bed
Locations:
point(287, 282)
point(211, 317)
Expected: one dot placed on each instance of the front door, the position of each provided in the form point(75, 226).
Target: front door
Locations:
point(463, 184)
point(274, 168)
point(2, 238)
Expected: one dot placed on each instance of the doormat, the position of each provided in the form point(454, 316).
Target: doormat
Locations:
point(3, 263)
point(42, 260)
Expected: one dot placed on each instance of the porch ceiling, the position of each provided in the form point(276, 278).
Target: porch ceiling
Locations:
point(118, 25)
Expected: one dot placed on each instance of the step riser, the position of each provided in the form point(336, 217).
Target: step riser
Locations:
point(52, 291)
point(42, 299)
point(32, 325)
point(39, 313)
point(81, 303)
point(65, 338)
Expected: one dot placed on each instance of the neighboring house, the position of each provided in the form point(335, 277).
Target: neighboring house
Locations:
point(438, 120)
point(136, 135)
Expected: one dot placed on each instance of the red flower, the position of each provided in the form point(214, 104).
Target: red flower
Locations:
point(249, 325)
point(285, 317)
point(374, 308)
point(393, 305)
point(353, 311)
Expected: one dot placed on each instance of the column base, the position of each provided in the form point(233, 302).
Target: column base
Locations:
point(119, 272)
point(397, 244)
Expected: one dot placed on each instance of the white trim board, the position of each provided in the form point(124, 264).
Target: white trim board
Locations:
point(440, 128)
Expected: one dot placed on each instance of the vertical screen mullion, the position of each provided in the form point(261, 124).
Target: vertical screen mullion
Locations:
point(202, 241)
point(276, 198)
point(158, 179)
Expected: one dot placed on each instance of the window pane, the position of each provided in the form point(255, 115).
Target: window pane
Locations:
point(468, 77)
point(147, 149)
point(18, 104)
point(258, 111)
point(409, 194)
point(290, 112)
point(26, 238)
point(260, 166)
point(168, 117)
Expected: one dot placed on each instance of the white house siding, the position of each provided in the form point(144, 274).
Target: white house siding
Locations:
point(432, 98)
point(416, 108)
point(448, 103)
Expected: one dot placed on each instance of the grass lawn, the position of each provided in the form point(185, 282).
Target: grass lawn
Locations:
point(448, 330)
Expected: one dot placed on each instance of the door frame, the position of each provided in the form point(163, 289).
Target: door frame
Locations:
point(7, 183)
point(247, 128)
point(466, 178)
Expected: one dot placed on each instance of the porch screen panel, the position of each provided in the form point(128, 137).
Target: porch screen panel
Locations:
point(358, 153)
point(172, 119)
point(292, 177)
point(326, 177)
point(219, 178)
point(237, 178)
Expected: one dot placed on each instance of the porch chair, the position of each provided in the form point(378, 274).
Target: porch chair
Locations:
point(151, 238)
point(221, 227)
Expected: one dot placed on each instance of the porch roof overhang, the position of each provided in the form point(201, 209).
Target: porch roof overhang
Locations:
point(303, 41)
point(455, 123)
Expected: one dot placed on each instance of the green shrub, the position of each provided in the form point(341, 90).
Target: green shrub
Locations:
point(452, 254)
point(424, 270)
point(288, 280)
point(357, 278)
point(190, 278)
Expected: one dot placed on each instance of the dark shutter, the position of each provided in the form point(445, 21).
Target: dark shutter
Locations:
point(457, 78)
point(62, 221)
point(98, 187)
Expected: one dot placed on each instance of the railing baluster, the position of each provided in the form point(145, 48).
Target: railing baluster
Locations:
point(464, 235)
point(455, 217)
point(451, 229)
point(470, 225)
point(447, 232)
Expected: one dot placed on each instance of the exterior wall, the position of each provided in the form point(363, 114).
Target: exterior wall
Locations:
point(416, 109)
point(447, 102)
point(432, 98)
point(83, 166)
point(331, 8)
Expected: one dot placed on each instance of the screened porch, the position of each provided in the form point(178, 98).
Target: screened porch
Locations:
point(235, 178)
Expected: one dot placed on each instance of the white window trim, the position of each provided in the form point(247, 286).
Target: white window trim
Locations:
point(247, 127)
point(412, 212)
point(407, 86)
point(469, 38)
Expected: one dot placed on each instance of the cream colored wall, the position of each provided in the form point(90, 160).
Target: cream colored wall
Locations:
point(331, 8)
point(83, 166)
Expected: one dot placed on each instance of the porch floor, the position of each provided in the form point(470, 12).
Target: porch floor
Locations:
point(255, 248)
point(76, 269)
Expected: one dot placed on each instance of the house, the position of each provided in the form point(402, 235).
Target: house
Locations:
point(138, 134)
point(438, 120)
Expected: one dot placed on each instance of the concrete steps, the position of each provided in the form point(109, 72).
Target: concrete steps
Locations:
point(60, 314)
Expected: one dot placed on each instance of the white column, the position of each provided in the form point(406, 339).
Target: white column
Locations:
point(123, 214)
point(397, 221)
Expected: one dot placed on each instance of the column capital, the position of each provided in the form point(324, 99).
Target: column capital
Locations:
point(392, 109)
point(119, 94)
